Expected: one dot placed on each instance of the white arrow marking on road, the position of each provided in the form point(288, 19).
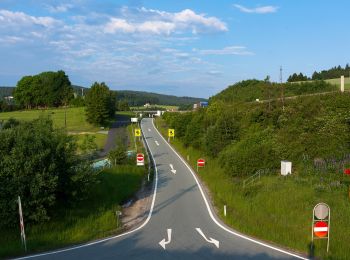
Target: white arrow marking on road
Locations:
point(157, 143)
point(172, 168)
point(163, 242)
point(210, 240)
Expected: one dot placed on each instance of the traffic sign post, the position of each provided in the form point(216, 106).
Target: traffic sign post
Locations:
point(140, 159)
point(321, 219)
point(200, 163)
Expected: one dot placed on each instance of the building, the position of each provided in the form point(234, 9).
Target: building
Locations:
point(201, 104)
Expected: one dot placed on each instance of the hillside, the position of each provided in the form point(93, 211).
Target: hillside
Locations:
point(250, 90)
point(134, 98)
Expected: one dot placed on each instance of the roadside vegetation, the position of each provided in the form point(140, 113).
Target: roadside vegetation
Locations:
point(240, 139)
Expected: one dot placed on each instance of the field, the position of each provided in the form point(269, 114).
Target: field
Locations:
point(100, 139)
point(276, 208)
point(91, 218)
point(76, 120)
point(337, 82)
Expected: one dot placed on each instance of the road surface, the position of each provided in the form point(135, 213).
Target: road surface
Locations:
point(180, 224)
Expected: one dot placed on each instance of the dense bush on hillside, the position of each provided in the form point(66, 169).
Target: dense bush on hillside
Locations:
point(47, 89)
point(38, 163)
point(252, 136)
point(250, 90)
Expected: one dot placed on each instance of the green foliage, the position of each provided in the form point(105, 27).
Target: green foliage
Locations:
point(249, 136)
point(332, 73)
point(88, 145)
point(39, 164)
point(123, 105)
point(118, 155)
point(47, 89)
point(297, 77)
point(100, 104)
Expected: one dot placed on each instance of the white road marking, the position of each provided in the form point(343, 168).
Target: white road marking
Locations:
point(210, 240)
point(172, 168)
point(163, 242)
point(157, 143)
point(114, 237)
point(212, 215)
point(149, 129)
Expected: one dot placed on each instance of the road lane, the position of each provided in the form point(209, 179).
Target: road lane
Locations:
point(178, 206)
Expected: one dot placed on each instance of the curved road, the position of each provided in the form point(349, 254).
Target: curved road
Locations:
point(180, 225)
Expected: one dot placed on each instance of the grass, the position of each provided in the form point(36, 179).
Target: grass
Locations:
point(276, 209)
point(76, 119)
point(100, 139)
point(89, 219)
point(337, 82)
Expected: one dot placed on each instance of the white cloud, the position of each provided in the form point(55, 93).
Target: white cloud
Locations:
point(230, 50)
point(160, 22)
point(119, 25)
point(59, 8)
point(258, 10)
point(9, 18)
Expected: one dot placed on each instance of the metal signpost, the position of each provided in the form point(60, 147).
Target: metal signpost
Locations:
point(321, 219)
point(21, 223)
point(200, 163)
point(140, 159)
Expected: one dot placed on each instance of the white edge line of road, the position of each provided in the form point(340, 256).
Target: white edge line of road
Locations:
point(109, 238)
point(212, 215)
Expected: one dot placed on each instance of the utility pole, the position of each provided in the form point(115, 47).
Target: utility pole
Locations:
point(282, 88)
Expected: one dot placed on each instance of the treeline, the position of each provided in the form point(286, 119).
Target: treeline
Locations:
point(250, 90)
point(39, 163)
point(139, 98)
point(247, 137)
point(47, 89)
point(332, 73)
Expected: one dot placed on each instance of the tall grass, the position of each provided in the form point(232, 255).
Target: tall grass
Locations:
point(88, 219)
point(276, 208)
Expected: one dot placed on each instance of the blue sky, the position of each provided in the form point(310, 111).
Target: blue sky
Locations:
point(183, 47)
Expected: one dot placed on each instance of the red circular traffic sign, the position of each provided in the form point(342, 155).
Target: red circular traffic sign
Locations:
point(321, 229)
point(347, 171)
point(200, 162)
point(140, 157)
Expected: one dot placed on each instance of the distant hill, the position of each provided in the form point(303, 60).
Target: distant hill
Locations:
point(134, 98)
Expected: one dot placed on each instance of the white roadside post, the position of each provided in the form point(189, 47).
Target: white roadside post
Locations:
point(342, 84)
point(118, 214)
point(225, 210)
point(21, 222)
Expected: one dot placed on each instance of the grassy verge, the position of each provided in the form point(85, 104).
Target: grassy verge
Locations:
point(275, 209)
point(89, 219)
point(337, 82)
point(76, 119)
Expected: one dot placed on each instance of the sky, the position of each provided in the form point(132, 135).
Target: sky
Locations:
point(183, 47)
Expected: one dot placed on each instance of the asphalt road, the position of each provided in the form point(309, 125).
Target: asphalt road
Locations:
point(181, 224)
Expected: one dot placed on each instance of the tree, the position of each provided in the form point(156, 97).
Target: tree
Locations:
point(47, 89)
point(123, 105)
point(118, 155)
point(100, 104)
point(39, 163)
